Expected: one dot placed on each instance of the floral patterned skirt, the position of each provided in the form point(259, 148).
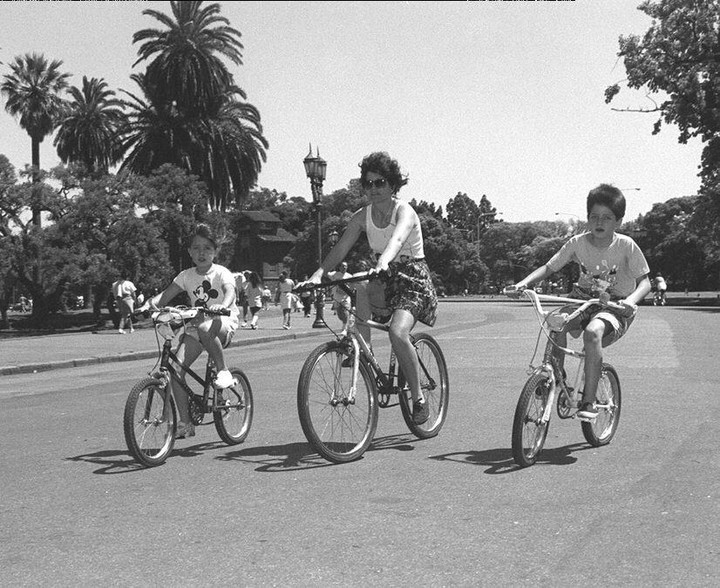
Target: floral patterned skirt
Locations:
point(409, 287)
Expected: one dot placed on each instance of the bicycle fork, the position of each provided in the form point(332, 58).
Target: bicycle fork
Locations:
point(548, 371)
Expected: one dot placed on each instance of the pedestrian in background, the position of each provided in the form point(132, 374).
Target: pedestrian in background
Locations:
point(254, 297)
point(307, 297)
point(342, 299)
point(285, 297)
point(266, 296)
point(241, 286)
point(125, 294)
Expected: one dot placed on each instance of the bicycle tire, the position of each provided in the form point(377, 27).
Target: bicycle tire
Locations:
point(601, 430)
point(150, 422)
point(234, 419)
point(435, 386)
point(340, 431)
point(528, 434)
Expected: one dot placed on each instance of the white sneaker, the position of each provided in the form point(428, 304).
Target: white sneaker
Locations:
point(243, 325)
point(224, 379)
point(121, 331)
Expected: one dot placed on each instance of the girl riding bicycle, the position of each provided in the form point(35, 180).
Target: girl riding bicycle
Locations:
point(209, 286)
point(613, 267)
point(407, 295)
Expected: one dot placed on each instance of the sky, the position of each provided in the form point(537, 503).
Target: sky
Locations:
point(503, 99)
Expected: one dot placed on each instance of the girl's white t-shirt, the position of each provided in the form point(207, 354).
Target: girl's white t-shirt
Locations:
point(206, 289)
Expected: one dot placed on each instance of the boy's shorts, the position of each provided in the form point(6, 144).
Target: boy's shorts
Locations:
point(618, 324)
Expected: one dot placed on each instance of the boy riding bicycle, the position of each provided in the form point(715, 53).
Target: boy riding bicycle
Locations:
point(612, 267)
point(209, 286)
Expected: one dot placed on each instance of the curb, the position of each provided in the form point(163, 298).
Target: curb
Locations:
point(32, 368)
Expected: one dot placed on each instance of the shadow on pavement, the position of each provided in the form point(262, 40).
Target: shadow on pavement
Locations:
point(121, 462)
point(301, 456)
point(500, 460)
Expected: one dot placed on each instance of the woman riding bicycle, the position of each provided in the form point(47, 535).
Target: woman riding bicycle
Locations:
point(404, 292)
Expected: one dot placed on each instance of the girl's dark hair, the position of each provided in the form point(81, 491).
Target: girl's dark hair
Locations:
point(203, 230)
point(607, 195)
point(381, 163)
point(255, 279)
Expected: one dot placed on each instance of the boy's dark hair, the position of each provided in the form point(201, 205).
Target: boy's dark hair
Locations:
point(607, 195)
point(381, 163)
point(203, 230)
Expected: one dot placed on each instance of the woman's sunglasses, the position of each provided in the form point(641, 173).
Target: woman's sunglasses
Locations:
point(379, 183)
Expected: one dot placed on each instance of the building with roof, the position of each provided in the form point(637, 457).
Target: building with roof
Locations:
point(261, 245)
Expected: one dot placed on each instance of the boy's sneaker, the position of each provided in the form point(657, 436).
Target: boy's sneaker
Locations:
point(421, 412)
point(224, 379)
point(587, 411)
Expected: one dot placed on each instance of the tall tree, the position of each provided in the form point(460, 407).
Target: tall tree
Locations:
point(88, 131)
point(677, 63)
point(33, 92)
point(191, 114)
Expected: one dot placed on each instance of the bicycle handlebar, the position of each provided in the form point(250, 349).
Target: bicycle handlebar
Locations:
point(327, 282)
point(536, 298)
point(183, 310)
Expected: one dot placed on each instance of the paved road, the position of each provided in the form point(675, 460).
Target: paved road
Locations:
point(451, 511)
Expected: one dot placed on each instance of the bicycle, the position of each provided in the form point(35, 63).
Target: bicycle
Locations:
point(659, 298)
point(150, 417)
point(547, 385)
point(342, 385)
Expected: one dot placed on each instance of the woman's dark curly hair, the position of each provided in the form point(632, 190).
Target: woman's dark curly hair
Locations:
point(381, 163)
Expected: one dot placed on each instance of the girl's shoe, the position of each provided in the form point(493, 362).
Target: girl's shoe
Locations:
point(224, 379)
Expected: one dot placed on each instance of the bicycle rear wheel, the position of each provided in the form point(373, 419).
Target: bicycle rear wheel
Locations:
point(338, 423)
point(529, 434)
point(601, 429)
point(434, 385)
point(233, 417)
point(149, 422)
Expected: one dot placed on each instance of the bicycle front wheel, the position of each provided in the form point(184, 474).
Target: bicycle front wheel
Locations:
point(234, 413)
point(149, 422)
point(338, 422)
point(529, 433)
point(434, 385)
point(601, 429)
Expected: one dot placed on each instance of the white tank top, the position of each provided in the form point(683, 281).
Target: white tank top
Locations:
point(379, 238)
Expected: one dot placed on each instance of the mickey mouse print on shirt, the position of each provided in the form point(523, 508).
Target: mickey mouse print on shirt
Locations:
point(204, 293)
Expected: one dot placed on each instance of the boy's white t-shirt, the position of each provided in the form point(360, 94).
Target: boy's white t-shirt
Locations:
point(207, 289)
point(613, 269)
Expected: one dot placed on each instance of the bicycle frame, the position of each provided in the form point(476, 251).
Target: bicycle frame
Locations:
point(359, 346)
point(172, 369)
point(549, 362)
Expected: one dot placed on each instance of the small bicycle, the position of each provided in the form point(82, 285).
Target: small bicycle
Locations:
point(342, 384)
point(547, 385)
point(150, 419)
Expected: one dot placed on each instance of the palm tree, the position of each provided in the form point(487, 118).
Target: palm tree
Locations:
point(225, 147)
point(88, 132)
point(186, 68)
point(32, 91)
point(192, 115)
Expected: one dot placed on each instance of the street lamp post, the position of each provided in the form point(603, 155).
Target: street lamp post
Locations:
point(315, 168)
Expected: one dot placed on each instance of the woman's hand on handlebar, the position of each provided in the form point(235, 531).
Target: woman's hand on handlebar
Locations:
point(514, 291)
